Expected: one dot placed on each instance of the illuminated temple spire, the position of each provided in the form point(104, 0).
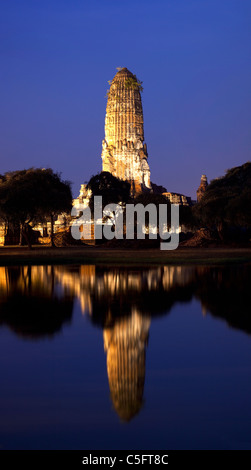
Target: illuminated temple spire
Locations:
point(124, 153)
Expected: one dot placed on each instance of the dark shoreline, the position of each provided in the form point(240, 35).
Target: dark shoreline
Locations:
point(40, 255)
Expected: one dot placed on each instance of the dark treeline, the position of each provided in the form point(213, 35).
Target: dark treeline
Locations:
point(35, 196)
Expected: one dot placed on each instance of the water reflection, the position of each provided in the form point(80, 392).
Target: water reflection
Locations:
point(225, 293)
point(36, 301)
point(108, 293)
point(125, 344)
point(31, 304)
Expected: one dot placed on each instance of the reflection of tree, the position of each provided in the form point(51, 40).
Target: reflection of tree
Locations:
point(113, 292)
point(125, 343)
point(108, 294)
point(29, 303)
point(225, 293)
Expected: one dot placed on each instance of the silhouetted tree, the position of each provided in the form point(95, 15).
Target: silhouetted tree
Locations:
point(30, 196)
point(146, 198)
point(112, 189)
point(187, 217)
point(227, 201)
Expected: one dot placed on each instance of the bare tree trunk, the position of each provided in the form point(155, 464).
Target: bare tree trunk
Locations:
point(221, 230)
point(52, 231)
point(26, 236)
point(21, 235)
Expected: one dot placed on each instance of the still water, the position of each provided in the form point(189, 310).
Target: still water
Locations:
point(125, 358)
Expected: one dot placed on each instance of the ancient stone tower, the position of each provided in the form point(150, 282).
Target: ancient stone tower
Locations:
point(124, 153)
point(202, 188)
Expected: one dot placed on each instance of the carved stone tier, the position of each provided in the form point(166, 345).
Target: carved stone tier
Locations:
point(124, 153)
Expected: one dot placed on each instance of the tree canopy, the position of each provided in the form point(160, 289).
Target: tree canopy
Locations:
point(112, 189)
point(227, 200)
point(30, 196)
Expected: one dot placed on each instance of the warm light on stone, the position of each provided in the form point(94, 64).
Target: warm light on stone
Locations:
point(202, 188)
point(124, 153)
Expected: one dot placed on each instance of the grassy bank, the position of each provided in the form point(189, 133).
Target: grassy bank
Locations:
point(103, 256)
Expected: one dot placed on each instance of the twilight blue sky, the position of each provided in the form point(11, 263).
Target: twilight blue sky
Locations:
point(193, 57)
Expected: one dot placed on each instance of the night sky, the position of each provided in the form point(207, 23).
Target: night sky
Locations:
point(193, 57)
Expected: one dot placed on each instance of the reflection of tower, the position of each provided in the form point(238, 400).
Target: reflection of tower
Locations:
point(125, 344)
point(202, 188)
point(124, 152)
